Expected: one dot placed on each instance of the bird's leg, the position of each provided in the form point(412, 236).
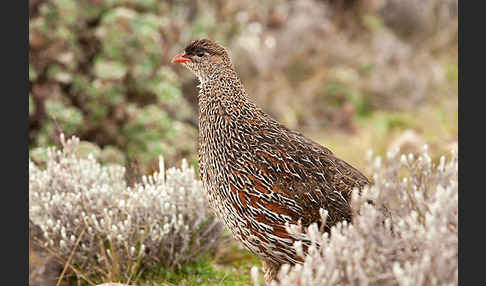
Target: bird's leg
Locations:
point(270, 270)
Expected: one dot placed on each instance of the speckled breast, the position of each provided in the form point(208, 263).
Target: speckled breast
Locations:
point(242, 209)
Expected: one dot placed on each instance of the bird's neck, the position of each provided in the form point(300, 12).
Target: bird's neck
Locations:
point(211, 73)
point(223, 85)
point(223, 102)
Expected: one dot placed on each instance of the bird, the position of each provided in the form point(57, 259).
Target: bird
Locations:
point(261, 177)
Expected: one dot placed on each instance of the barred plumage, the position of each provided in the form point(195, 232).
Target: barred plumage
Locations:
point(259, 175)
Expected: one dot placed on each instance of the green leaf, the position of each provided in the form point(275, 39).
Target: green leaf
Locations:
point(110, 69)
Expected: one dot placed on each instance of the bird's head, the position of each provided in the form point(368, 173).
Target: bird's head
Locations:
point(205, 58)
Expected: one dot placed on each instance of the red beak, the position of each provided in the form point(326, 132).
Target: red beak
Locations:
point(180, 58)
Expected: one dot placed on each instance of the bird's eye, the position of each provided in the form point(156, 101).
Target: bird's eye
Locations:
point(200, 54)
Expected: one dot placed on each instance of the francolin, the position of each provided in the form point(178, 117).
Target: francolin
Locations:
point(259, 175)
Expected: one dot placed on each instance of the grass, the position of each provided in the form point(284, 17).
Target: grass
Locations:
point(436, 124)
point(230, 266)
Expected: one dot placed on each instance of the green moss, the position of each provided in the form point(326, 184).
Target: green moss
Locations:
point(203, 272)
point(68, 117)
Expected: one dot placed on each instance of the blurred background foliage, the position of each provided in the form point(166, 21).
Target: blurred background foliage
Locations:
point(353, 75)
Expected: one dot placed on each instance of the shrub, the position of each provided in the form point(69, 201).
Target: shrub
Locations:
point(100, 68)
point(114, 231)
point(417, 245)
point(358, 58)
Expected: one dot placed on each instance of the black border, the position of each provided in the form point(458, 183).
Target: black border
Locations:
point(14, 27)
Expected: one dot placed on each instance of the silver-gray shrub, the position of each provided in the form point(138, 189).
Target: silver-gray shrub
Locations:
point(162, 221)
point(417, 245)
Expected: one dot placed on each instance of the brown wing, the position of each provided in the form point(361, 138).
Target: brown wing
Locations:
point(303, 176)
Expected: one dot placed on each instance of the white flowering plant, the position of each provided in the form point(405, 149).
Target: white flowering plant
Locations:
point(415, 242)
point(92, 220)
